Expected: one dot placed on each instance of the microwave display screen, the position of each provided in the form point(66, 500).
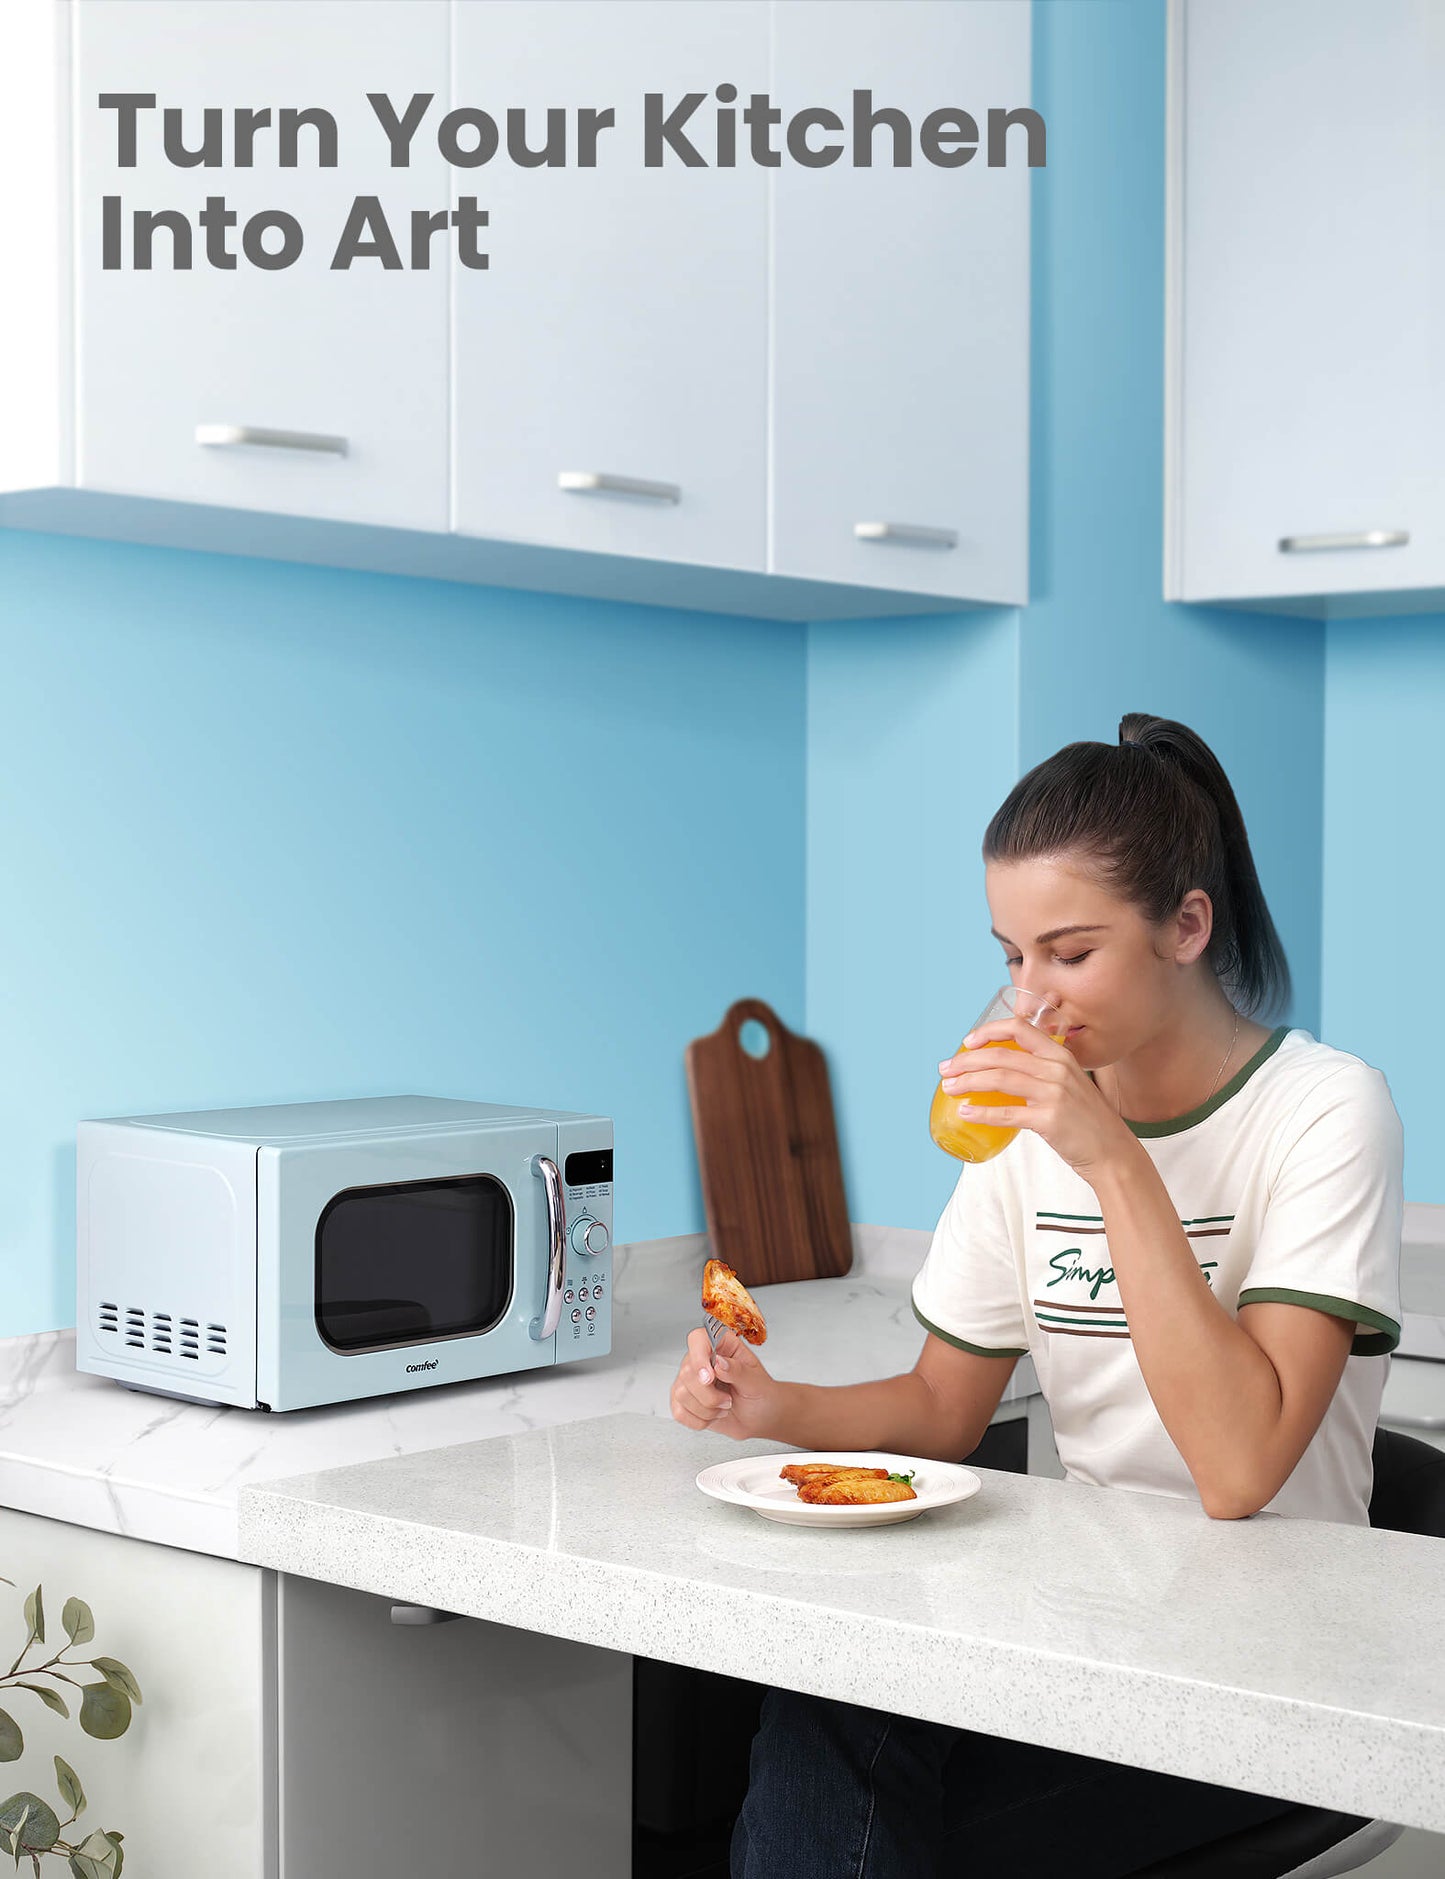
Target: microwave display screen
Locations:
point(413, 1262)
point(588, 1168)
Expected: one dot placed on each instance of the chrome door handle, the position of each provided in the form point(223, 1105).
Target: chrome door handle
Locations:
point(585, 480)
point(546, 1171)
point(422, 1615)
point(1362, 538)
point(906, 532)
point(273, 440)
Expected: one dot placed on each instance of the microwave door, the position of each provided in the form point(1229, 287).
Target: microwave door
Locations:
point(396, 1264)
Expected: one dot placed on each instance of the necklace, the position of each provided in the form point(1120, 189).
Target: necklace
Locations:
point(1233, 1040)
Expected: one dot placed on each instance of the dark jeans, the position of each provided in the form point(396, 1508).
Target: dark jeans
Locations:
point(840, 1792)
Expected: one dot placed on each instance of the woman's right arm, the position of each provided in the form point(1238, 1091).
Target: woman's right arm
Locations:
point(937, 1410)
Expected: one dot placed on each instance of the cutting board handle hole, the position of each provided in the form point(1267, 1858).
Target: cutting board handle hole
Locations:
point(755, 1037)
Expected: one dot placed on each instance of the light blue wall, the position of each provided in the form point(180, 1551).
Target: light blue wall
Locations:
point(912, 741)
point(271, 833)
point(1384, 875)
point(917, 731)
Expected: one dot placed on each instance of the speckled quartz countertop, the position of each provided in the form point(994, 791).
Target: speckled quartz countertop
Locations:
point(1296, 1658)
point(83, 1449)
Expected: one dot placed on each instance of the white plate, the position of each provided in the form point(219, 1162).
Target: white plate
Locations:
point(755, 1482)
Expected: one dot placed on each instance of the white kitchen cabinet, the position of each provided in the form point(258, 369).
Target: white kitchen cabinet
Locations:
point(343, 369)
point(107, 373)
point(619, 336)
point(294, 1730)
point(900, 309)
point(1306, 378)
point(789, 392)
point(188, 1783)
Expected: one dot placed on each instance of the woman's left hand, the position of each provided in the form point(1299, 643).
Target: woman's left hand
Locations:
point(1064, 1106)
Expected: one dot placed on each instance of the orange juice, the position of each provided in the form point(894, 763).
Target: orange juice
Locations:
point(972, 1140)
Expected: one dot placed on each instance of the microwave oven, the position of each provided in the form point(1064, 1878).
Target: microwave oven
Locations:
point(305, 1253)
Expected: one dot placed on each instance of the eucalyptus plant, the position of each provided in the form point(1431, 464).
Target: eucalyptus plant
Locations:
point(31, 1827)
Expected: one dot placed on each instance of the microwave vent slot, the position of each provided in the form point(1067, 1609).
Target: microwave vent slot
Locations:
point(160, 1331)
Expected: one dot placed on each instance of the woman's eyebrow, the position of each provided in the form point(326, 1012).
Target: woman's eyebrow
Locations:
point(1058, 932)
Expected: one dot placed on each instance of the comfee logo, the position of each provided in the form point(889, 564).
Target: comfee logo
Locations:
point(430, 1364)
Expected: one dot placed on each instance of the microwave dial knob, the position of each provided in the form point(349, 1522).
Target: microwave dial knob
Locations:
point(590, 1238)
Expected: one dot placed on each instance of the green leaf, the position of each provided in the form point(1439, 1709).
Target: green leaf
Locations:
point(52, 1699)
point(99, 1858)
point(12, 1743)
point(906, 1479)
point(116, 1674)
point(78, 1622)
point(35, 1614)
point(104, 1711)
point(68, 1782)
point(33, 1823)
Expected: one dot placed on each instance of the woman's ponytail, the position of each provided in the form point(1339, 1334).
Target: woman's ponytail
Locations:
point(1157, 815)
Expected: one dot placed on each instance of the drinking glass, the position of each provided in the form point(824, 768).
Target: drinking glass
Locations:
point(965, 1136)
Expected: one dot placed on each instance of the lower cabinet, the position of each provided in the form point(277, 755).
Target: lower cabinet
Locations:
point(188, 1784)
point(292, 1730)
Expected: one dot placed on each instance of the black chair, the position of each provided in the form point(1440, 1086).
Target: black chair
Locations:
point(1312, 1842)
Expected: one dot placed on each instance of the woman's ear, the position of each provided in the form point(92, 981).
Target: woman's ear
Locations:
point(1193, 926)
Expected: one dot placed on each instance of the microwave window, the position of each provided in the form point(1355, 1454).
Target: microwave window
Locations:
point(413, 1262)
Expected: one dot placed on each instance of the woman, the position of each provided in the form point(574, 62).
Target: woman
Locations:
point(1195, 1235)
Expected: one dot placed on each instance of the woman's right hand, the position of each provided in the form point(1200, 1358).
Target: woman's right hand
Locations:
point(727, 1389)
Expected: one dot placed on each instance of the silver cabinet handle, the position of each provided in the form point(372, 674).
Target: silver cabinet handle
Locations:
point(585, 480)
point(1397, 1421)
point(546, 1171)
point(422, 1615)
point(1362, 538)
point(906, 532)
point(273, 440)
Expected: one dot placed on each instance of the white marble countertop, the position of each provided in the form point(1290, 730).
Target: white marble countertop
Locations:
point(1296, 1658)
point(84, 1449)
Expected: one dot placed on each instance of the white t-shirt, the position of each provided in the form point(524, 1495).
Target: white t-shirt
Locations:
point(1288, 1184)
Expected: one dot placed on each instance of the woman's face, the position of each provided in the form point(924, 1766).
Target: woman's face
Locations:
point(1117, 980)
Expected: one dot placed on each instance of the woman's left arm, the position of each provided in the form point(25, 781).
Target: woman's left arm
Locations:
point(1240, 1404)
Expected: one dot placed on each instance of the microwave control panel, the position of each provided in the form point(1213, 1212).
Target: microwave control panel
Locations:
point(587, 1293)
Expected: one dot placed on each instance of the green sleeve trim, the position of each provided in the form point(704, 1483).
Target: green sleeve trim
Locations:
point(1379, 1343)
point(961, 1344)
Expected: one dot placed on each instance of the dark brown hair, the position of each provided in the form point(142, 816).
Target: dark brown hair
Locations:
point(1152, 817)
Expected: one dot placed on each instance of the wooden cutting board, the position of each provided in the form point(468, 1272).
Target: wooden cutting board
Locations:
point(767, 1151)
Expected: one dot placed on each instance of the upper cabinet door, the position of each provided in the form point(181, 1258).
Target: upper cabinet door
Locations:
point(611, 360)
point(1308, 371)
point(901, 307)
point(330, 383)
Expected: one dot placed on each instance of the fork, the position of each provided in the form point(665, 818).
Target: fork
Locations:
point(715, 1330)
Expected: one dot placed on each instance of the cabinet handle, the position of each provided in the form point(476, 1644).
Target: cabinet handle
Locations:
point(1396, 1421)
point(625, 485)
point(546, 1171)
point(906, 532)
point(1362, 538)
point(421, 1615)
point(273, 440)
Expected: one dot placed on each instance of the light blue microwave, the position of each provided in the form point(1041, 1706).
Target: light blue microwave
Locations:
point(306, 1253)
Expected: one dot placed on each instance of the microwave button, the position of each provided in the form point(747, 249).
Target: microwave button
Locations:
point(569, 1295)
point(591, 1312)
point(577, 1316)
point(597, 1291)
point(584, 1293)
point(590, 1238)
